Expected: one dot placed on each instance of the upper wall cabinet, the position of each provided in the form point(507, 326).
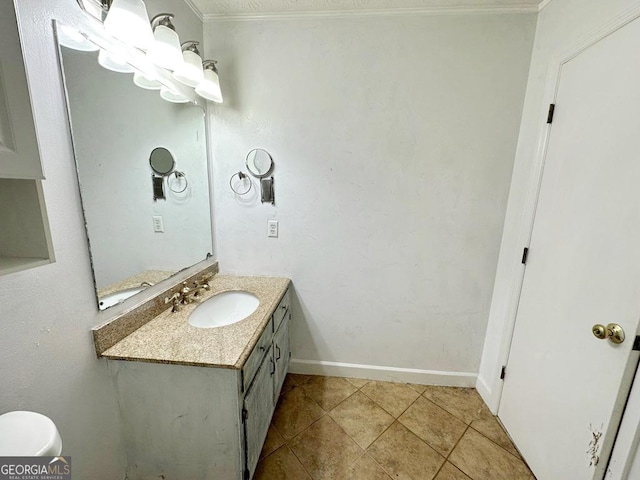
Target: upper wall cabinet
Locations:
point(25, 241)
point(19, 156)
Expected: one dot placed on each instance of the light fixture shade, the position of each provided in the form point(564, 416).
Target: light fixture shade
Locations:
point(71, 38)
point(171, 96)
point(209, 88)
point(190, 72)
point(128, 21)
point(145, 81)
point(113, 62)
point(166, 51)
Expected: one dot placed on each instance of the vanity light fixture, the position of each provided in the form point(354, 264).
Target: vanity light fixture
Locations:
point(113, 62)
point(172, 96)
point(209, 88)
point(190, 72)
point(166, 51)
point(71, 38)
point(127, 20)
point(146, 81)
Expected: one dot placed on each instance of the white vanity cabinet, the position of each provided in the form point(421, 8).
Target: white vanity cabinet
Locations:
point(189, 422)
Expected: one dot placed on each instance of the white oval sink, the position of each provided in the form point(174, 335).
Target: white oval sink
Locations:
point(224, 309)
point(118, 297)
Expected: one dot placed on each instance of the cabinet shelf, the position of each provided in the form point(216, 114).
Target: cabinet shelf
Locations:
point(25, 241)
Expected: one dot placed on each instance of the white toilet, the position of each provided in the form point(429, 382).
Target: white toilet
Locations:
point(28, 434)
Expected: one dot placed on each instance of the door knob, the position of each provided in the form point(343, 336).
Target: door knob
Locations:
point(613, 332)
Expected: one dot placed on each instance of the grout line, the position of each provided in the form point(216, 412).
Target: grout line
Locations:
point(299, 461)
point(456, 444)
point(497, 444)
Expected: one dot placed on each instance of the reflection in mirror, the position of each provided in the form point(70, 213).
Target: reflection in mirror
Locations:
point(134, 241)
point(161, 161)
point(259, 162)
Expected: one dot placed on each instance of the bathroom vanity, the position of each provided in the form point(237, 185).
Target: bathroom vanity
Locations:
point(196, 403)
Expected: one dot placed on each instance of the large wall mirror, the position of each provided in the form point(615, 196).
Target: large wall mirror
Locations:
point(143, 224)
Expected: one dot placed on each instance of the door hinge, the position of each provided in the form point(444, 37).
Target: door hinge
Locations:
point(503, 370)
point(245, 414)
point(552, 109)
point(525, 254)
point(636, 343)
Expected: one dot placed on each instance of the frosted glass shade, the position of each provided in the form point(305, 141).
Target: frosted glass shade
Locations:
point(72, 38)
point(209, 88)
point(114, 63)
point(128, 21)
point(190, 72)
point(166, 51)
point(146, 82)
point(171, 96)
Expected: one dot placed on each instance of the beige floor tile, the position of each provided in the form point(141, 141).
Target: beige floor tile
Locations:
point(449, 472)
point(299, 379)
point(273, 441)
point(404, 456)
point(293, 380)
point(489, 426)
point(361, 418)
point(281, 465)
point(417, 388)
point(365, 468)
point(328, 391)
point(434, 425)
point(295, 412)
point(395, 398)
point(481, 459)
point(357, 382)
point(325, 450)
point(464, 403)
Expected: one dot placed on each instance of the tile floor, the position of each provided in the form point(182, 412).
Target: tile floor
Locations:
point(350, 429)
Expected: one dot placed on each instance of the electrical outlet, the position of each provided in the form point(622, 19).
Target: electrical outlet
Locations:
point(272, 230)
point(158, 224)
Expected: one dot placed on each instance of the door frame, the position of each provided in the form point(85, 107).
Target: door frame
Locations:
point(529, 210)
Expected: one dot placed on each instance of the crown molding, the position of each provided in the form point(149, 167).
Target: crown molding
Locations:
point(194, 8)
point(543, 4)
point(453, 10)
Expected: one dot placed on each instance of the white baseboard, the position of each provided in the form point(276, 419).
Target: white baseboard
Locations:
point(382, 373)
point(485, 392)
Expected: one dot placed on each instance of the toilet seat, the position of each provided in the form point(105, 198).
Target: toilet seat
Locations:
point(27, 434)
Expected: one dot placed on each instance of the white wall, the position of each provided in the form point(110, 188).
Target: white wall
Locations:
point(393, 140)
point(560, 25)
point(116, 125)
point(47, 361)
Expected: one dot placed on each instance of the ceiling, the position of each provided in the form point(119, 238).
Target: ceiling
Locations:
point(261, 8)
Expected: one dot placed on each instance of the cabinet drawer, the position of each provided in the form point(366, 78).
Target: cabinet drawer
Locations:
point(281, 356)
point(281, 310)
point(255, 359)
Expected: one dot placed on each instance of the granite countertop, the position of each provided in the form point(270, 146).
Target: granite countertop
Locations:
point(151, 276)
point(169, 338)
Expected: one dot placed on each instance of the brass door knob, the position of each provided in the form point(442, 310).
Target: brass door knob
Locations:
point(612, 331)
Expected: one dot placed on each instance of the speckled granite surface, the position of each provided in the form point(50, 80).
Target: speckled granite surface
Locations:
point(108, 334)
point(169, 338)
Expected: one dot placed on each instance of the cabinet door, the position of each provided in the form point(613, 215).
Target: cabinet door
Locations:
point(281, 355)
point(258, 408)
point(19, 156)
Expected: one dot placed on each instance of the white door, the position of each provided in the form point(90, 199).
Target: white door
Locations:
point(561, 390)
point(19, 156)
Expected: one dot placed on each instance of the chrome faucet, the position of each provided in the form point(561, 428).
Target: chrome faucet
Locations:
point(186, 295)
